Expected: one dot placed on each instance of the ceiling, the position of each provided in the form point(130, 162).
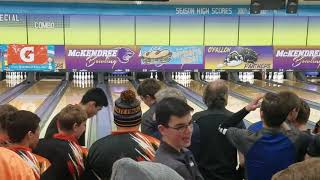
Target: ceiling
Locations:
point(171, 2)
point(199, 2)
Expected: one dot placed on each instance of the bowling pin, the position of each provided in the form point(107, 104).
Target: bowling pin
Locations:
point(240, 76)
point(275, 75)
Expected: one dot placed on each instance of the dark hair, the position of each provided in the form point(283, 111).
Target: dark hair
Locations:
point(292, 100)
point(20, 123)
point(97, 95)
point(70, 115)
point(274, 110)
point(215, 94)
point(304, 112)
point(168, 107)
point(5, 111)
point(316, 129)
point(148, 87)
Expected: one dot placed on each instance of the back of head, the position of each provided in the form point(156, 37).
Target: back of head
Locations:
point(170, 92)
point(171, 106)
point(148, 87)
point(70, 115)
point(314, 147)
point(20, 123)
point(316, 129)
point(127, 110)
point(273, 108)
point(304, 112)
point(96, 95)
point(5, 111)
point(128, 169)
point(215, 94)
point(293, 103)
point(308, 169)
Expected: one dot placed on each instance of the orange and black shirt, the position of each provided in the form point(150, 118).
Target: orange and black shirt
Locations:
point(38, 164)
point(65, 154)
point(104, 152)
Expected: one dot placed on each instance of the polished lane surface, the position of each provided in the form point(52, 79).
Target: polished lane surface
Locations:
point(314, 114)
point(33, 97)
point(4, 86)
point(307, 86)
point(72, 95)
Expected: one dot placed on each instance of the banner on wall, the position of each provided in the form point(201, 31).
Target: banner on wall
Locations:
point(238, 57)
point(28, 57)
point(296, 58)
point(126, 58)
point(172, 57)
point(101, 57)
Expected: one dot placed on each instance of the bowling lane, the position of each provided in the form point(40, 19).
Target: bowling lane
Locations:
point(233, 105)
point(315, 81)
point(314, 114)
point(195, 107)
point(308, 86)
point(277, 88)
point(4, 86)
point(72, 95)
point(33, 97)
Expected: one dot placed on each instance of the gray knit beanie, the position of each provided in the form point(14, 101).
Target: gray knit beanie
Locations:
point(128, 169)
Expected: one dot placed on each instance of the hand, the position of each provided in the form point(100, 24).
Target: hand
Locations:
point(254, 104)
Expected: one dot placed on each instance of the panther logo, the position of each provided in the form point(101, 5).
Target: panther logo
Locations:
point(124, 55)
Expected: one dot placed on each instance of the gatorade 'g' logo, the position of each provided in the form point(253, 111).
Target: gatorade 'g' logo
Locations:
point(27, 54)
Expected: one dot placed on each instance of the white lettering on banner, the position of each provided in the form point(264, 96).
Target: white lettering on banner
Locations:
point(203, 11)
point(9, 18)
point(297, 61)
point(298, 53)
point(91, 53)
point(185, 11)
point(221, 10)
point(27, 54)
point(44, 25)
point(219, 49)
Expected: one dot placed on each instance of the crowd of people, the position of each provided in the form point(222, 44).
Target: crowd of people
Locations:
point(167, 142)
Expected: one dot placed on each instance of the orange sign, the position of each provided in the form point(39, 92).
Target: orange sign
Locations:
point(27, 54)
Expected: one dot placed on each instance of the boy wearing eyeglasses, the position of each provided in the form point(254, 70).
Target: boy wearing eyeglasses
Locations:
point(175, 125)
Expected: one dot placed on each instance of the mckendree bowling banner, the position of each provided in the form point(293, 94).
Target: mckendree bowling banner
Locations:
point(238, 57)
point(296, 58)
point(101, 57)
point(126, 58)
point(16, 57)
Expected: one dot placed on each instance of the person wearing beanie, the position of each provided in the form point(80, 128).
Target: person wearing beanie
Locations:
point(127, 141)
point(129, 169)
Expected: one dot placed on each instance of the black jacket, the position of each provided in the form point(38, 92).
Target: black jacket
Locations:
point(217, 157)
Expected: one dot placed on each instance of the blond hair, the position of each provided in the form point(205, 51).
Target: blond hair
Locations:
point(70, 115)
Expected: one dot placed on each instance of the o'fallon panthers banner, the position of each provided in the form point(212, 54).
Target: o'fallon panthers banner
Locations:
point(238, 57)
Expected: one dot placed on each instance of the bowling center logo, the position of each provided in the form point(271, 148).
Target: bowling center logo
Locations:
point(26, 54)
point(236, 57)
point(102, 56)
point(297, 58)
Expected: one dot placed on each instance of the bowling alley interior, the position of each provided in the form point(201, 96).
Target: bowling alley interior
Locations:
point(52, 53)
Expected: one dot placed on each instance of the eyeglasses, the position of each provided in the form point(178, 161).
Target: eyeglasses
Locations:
point(182, 128)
